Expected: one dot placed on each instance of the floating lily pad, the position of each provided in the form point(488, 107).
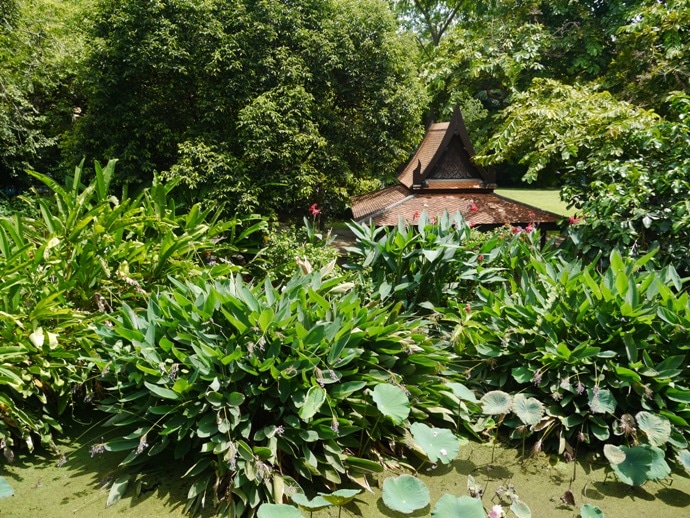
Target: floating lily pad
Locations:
point(529, 410)
point(657, 428)
point(520, 509)
point(641, 463)
point(436, 443)
point(496, 402)
point(449, 506)
point(392, 402)
point(5, 489)
point(278, 511)
point(405, 494)
point(591, 511)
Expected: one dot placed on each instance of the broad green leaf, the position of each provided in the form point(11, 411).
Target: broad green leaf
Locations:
point(657, 429)
point(529, 410)
point(162, 392)
point(436, 443)
point(449, 506)
point(392, 402)
point(117, 490)
point(405, 494)
point(601, 401)
point(496, 402)
point(591, 511)
point(316, 396)
point(641, 463)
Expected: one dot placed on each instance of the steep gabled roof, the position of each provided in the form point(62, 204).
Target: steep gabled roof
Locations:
point(442, 176)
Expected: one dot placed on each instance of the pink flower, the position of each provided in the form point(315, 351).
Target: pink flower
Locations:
point(314, 209)
point(472, 224)
point(530, 228)
point(480, 258)
point(474, 208)
point(415, 215)
point(496, 512)
point(574, 220)
point(516, 230)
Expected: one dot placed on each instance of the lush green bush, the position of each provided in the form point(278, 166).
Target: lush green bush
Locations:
point(260, 389)
point(425, 264)
point(600, 358)
point(286, 248)
point(81, 256)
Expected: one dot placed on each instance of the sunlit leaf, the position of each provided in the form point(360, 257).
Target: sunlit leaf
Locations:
point(117, 490)
point(529, 410)
point(449, 506)
point(392, 402)
point(278, 511)
point(657, 428)
point(5, 489)
point(591, 511)
point(405, 494)
point(496, 402)
point(438, 443)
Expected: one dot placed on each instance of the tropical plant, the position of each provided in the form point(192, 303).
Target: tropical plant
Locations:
point(594, 358)
point(84, 253)
point(270, 388)
point(423, 264)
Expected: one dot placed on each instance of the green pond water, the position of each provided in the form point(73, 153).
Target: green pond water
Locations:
point(80, 488)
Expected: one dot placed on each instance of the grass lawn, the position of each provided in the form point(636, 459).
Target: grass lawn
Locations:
point(545, 199)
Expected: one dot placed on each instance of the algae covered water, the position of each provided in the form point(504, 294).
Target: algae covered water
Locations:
point(45, 486)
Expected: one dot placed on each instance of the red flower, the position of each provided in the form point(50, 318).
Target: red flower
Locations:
point(474, 207)
point(472, 224)
point(574, 219)
point(529, 228)
point(480, 258)
point(468, 308)
point(516, 230)
point(415, 215)
point(314, 209)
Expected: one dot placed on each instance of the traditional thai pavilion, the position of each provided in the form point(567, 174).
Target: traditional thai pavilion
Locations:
point(442, 176)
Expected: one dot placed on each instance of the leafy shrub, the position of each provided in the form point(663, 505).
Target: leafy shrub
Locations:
point(83, 254)
point(287, 247)
point(428, 263)
point(600, 357)
point(261, 389)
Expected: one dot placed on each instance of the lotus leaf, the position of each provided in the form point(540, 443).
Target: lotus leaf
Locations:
point(591, 511)
point(278, 511)
point(405, 494)
point(5, 489)
point(657, 428)
point(437, 443)
point(496, 402)
point(683, 457)
point(392, 402)
point(520, 509)
point(316, 503)
point(640, 463)
point(449, 506)
point(529, 410)
point(601, 401)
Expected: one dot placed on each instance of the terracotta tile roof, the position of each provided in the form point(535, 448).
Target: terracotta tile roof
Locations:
point(368, 204)
point(479, 208)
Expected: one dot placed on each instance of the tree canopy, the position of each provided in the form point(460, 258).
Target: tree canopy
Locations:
point(253, 103)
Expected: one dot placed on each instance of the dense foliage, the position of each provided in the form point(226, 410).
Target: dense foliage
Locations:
point(263, 104)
